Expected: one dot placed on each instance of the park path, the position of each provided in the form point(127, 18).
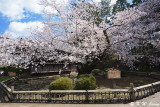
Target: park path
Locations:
point(151, 101)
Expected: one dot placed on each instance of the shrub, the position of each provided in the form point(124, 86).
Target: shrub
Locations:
point(106, 69)
point(84, 76)
point(96, 71)
point(86, 82)
point(63, 83)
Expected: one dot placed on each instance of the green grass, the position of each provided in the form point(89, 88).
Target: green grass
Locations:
point(4, 78)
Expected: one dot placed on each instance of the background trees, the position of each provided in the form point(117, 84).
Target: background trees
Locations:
point(70, 34)
point(135, 33)
point(74, 34)
point(120, 6)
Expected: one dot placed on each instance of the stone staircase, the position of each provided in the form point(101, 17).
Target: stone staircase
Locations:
point(3, 95)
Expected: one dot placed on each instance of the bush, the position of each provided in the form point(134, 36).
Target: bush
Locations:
point(106, 69)
point(84, 76)
point(96, 71)
point(86, 82)
point(63, 83)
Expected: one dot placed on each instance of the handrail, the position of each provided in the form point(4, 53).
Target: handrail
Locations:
point(5, 87)
point(143, 86)
point(73, 91)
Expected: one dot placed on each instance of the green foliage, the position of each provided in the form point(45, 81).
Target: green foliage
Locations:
point(7, 69)
point(86, 68)
point(136, 2)
point(143, 65)
point(120, 6)
point(84, 76)
point(4, 78)
point(106, 69)
point(11, 69)
point(142, 49)
point(63, 83)
point(96, 71)
point(103, 13)
point(86, 82)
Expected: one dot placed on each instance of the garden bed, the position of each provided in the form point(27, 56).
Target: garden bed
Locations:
point(124, 82)
point(42, 83)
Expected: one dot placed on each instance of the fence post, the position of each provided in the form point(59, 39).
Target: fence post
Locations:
point(12, 89)
point(132, 92)
point(87, 97)
point(11, 93)
point(152, 89)
point(49, 95)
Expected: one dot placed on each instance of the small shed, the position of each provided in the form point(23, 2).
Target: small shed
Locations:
point(54, 68)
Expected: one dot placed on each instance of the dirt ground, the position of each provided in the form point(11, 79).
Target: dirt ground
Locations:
point(124, 82)
point(42, 83)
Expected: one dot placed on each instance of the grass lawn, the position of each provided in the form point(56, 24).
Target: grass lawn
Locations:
point(4, 78)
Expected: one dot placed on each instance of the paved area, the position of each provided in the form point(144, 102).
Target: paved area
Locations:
point(62, 105)
point(151, 101)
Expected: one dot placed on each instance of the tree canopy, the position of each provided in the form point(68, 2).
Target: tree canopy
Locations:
point(82, 33)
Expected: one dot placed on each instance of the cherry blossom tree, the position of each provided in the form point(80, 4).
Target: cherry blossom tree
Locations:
point(69, 34)
point(135, 33)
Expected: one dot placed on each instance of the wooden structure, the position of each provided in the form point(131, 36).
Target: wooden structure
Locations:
point(114, 74)
point(11, 74)
point(53, 68)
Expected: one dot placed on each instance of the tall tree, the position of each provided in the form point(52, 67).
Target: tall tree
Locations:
point(72, 37)
point(120, 6)
point(137, 29)
point(136, 2)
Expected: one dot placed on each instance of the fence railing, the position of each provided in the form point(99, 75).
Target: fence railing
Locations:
point(146, 90)
point(5, 93)
point(9, 80)
point(85, 96)
point(73, 96)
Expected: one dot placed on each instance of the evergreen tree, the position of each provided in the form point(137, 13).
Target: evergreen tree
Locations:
point(136, 2)
point(120, 6)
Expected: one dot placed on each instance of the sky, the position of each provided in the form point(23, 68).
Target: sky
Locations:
point(18, 17)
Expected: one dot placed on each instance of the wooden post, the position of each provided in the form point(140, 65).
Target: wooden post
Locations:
point(132, 93)
point(74, 82)
point(152, 89)
point(114, 84)
point(11, 93)
point(49, 95)
point(114, 87)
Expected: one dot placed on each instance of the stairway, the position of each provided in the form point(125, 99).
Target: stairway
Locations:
point(3, 96)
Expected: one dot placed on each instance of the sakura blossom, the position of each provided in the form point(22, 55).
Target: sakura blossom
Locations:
point(134, 28)
point(73, 38)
